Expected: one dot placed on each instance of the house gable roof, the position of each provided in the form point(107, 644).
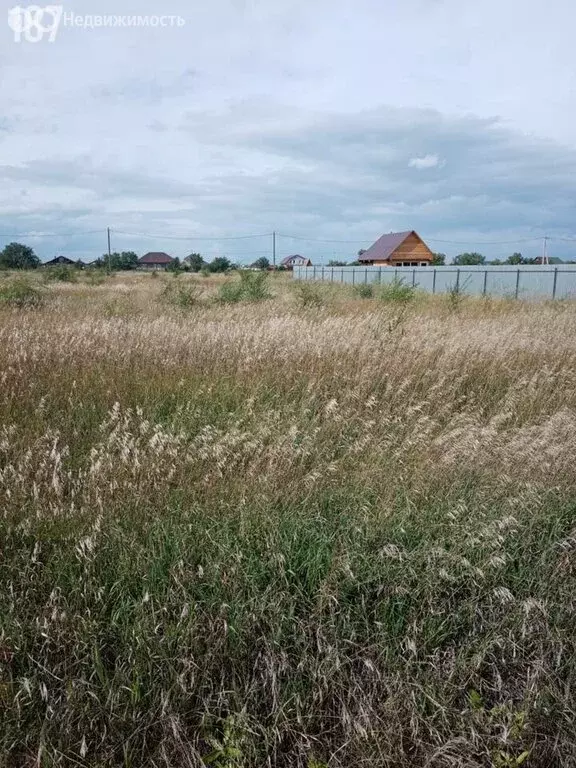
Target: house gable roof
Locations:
point(290, 259)
point(385, 246)
point(155, 257)
point(59, 260)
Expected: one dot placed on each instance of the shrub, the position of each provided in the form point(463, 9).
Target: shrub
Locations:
point(180, 296)
point(220, 264)
point(60, 274)
point(21, 294)
point(254, 285)
point(456, 296)
point(398, 291)
point(230, 293)
point(365, 291)
point(309, 295)
point(95, 276)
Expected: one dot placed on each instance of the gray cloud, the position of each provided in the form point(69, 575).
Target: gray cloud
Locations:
point(295, 117)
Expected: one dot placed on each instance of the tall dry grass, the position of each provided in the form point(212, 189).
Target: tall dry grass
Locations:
point(286, 533)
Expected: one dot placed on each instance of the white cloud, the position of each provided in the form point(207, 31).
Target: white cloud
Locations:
point(428, 161)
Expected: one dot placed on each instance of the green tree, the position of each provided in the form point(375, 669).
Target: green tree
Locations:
point(516, 258)
point(335, 263)
point(261, 263)
point(438, 259)
point(174, 265)
point(195, 262)
point(469, 259)
point(18, 256)
point(220, 264)
point(117, 262)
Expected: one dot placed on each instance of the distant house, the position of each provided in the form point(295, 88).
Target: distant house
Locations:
point(60, 260)
point(398, 249)
point(154, 261)
point(295, 261)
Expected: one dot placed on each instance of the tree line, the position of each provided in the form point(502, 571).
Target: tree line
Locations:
point(20, 256)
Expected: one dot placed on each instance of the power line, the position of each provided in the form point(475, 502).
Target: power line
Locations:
point(54, 234)
point(189, 237)
point(430, 239)
point(314, 240)
point(217, 238)
point(486, 242)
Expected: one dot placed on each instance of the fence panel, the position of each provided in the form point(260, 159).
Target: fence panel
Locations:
point(524, 282)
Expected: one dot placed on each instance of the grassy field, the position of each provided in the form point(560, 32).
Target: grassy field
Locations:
point(316, 529)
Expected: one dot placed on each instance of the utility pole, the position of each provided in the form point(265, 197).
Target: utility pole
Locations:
point(545, 259)
point(274, 249)
point(109, 251)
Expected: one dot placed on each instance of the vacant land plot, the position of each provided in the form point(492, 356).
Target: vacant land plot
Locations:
point(318, 529)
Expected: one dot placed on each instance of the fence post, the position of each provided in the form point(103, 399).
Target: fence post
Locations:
point(332, 276)
point(322, 273)
point(485, 286)
point(434, 282)
point(555, 282)
point(413, 278)
point(353, 275)
point(342, 275)
point(379, 275)
point(517, 283)
point(366, 276)
point(457, 280)
point(314, 273)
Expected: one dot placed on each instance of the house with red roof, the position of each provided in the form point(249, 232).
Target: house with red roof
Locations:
point(155, 260)
point(398, 249)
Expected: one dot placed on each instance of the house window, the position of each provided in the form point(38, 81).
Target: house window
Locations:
point(423, 263)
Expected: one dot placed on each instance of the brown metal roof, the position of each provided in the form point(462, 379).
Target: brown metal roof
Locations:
point(155, 257)
point(385, 246)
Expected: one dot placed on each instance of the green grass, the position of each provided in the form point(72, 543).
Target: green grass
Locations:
point(325, 604)
point(254, 536)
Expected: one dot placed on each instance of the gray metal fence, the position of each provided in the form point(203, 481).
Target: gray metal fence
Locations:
point(524, 282)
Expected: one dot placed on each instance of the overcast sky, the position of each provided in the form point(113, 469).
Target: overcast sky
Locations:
point(323, 119)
